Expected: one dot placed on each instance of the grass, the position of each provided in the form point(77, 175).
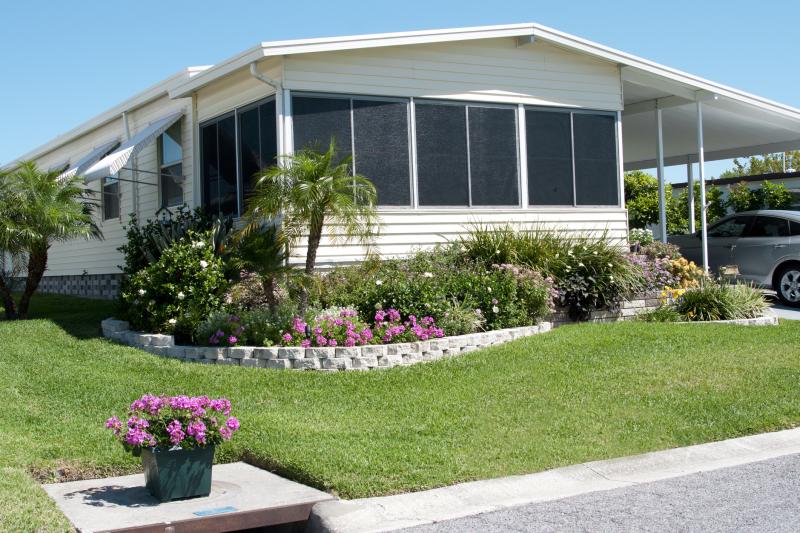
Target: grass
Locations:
point(576, 394)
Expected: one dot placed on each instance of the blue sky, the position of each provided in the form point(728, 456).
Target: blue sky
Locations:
point(64, 62)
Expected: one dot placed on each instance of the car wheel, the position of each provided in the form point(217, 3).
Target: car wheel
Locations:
point(788, 285)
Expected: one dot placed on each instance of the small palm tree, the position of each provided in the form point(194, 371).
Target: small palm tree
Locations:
point(38, 210)
point(262, 252)
point(308, 191)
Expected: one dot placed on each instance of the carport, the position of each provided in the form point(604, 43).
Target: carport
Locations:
point(674, 118)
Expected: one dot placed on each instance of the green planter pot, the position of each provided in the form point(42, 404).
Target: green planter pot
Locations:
point(176, 474)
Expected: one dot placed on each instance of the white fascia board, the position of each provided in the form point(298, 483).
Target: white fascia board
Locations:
point(143, 98)
point(628, 60)
point(355, 42)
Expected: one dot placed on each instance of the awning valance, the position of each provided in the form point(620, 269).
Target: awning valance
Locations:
point(90, 159)
point(116, 160)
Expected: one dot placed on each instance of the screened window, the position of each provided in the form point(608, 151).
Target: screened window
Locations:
point(233, 149)
point(467, 155)
point(170, 154)
point(376, 128)
point(110, 186)
point(549, 139)
point(572, 158)
point(493, 164)
point(596, 177)
point(258, 143)
point(317, 120)
point(442, 171)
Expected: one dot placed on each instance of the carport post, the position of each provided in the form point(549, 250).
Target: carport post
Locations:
point(702, 171)
point(690, 184)
point(662, 200)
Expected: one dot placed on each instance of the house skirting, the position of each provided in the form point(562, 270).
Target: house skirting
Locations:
point(96, 286)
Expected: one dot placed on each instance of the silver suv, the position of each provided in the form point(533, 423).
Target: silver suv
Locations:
point(765, 245)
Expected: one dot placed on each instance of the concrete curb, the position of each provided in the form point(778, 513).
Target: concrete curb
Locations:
point(390, 513)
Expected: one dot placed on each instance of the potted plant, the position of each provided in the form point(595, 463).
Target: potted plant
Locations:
point(175, 437)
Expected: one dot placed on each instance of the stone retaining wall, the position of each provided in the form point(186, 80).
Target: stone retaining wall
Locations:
point(96, 286)
point(628, 309)
point(332, 359)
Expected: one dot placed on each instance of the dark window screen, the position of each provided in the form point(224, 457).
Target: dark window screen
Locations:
point(249, 147)
point(209, 167)
point(381, 142)
point(269, 134)
point(596, 178)
point(226, 158)
point(442, 155)
point(549, 158)
point(316, 120)
point(493, 156)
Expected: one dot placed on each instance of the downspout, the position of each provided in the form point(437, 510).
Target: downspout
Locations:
point(280, 112)
point(134, 176)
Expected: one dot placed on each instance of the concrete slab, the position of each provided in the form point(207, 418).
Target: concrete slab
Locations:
point(242, 496)
point(390, 513)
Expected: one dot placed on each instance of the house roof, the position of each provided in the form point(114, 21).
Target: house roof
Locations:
point(738, 123)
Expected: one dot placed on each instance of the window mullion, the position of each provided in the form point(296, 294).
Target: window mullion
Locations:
point(572, 148)
point(412, 146)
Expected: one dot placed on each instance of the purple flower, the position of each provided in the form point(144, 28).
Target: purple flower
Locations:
point(232, 340)
point(232, 423)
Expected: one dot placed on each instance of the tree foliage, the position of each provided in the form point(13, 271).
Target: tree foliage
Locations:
point(36, 210)
point(768, 196)
point(764, 164)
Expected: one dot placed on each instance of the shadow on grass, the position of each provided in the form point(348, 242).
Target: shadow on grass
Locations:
point(78, 317)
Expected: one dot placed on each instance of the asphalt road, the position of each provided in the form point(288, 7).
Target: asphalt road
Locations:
point(762, 497)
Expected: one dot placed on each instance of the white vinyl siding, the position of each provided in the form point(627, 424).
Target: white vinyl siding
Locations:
point(492, 70)
point(404, 231)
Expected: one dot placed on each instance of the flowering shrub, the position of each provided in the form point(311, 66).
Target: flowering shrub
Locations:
point(253, 327)
point(687, 273)
point(174, 422)
point(333, 328)
point(657, 273)
point(661, 250)
point(640, 236)
point(389, 327)
point(179, 290)
point(428, 282)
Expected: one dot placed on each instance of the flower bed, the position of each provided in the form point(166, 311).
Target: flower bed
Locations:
point(331, 358)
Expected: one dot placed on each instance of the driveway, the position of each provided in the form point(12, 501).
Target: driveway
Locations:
point(783, 311)
point(762, 496)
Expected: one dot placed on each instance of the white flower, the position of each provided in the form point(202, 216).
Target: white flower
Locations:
point(497, 252)
point(478, 312)
point(610, 265)
point(495, 309)
point(142, 292)
point(172, 321)
point(580, 264)
point(378, 282)
point(594, 253)
point(427, 274)
point(489, 289)
point(181, 296)
point(198, 244)
point(611, 278)
point(203, 263)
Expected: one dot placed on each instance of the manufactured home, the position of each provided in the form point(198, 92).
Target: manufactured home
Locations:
point(496, 124)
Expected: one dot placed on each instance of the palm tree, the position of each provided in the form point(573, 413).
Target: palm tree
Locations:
point(40, 209)
point(309, 190)
point(262, 252)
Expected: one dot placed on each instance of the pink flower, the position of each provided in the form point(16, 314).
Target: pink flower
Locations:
point(305, 343)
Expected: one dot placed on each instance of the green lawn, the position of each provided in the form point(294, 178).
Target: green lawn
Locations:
point(578, 393)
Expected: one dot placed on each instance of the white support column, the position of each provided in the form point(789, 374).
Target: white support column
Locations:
point(523, 156)
point(620, 163)
point(702, 174)
point(662, 200)
point(690, 187)
point(279, 121)
point(288, 124)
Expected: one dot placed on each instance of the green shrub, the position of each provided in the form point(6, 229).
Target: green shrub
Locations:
point(720, 301)
point(641, 236)
point(427, 283)
point(661, 250)
point(664, 313)
point(461, 318)
point(175, 293)
point(589, 272)
point(250, 327)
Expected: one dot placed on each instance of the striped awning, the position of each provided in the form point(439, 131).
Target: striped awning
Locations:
point(116, 160)
point(90, 159)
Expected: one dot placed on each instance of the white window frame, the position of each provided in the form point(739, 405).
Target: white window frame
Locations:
point(160, 158)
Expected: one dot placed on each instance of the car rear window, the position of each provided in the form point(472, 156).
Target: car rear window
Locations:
point(732, 227)
point(794, 227)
